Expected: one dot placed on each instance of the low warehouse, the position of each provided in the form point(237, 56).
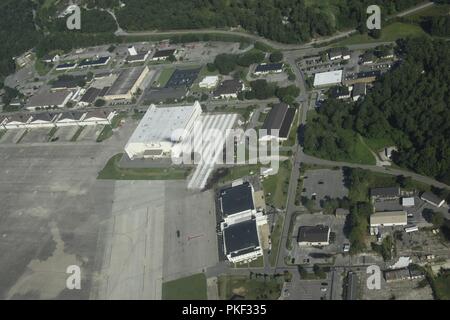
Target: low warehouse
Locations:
point(48, 99)
point(278, 122)
point(388, 219)
point(127, 84)
point(330, 78)
point(314, 235)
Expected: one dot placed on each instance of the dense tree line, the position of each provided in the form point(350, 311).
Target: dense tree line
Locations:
point(288, 21)
point(17, 33)
point(437, 26)
point(409, 105)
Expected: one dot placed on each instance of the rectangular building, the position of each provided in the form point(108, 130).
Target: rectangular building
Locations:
point(388, 219)
point(432, 199)
point(329, 78)
point(236, 199)
point(385, 193)
point(266, 68)
point(49, 99)
point(97, 117)
point(42, 120)
point(229, 89)
point(161, 129)
point(163, 54)
point(70, 118)
point(127, 83)
point(313, 235)
point(280, 118)
point(209, 82)
point(241, 241)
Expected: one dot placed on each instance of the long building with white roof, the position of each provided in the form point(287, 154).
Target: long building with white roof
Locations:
point(330, 78)
point(161, 129)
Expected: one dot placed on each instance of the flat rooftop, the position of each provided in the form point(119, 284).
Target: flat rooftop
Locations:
point(326, 78)
point(236, 199)
point(241, 238)
point(48, 98)
point(313, 233)
point(159, 124)
point(126, 80)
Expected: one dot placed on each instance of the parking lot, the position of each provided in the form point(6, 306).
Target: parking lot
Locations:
point(65, 134)
point(206, 51)
point(322, 183)
point(12, 136)
point(311, 255)
point(36, 135)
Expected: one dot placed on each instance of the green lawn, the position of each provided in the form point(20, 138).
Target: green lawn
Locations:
point(442, 286)
point(41, 67)
point(189, 288)
point(377, 144)
point(258, 263)
point(275, 239)
point(112, 171)
point(164, 76)
point(238, 172)
point(389, 33)
point(252, 289)
point(276, 186)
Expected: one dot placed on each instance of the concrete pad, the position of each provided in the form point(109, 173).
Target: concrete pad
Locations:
point(133, 264)
point(12, 136)
point(190, 241)
point(36, 135)
point(90, 133)
point(65, 134)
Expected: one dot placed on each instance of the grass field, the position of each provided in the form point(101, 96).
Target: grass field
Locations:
point(164, 76)
point(389, 33)
point(112, 171)
point(258, 263)
point(276, 186)
point(377, 144)
point(189, 288)
point(251, 289)
point(275, 239)
point(41, 67)
point(442, 286)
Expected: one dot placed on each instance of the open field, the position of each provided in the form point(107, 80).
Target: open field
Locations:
point(275, 186)
point(251, 289)
point(188, 288)
point(112, 171)
point(389, 33)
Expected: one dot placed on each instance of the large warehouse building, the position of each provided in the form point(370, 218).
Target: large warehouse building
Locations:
point(154, 137)
point(330, 78)
point(127, 84)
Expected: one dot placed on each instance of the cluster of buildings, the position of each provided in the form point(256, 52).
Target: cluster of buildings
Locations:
point(62, 119)
point(244, 225)
point(390, 208)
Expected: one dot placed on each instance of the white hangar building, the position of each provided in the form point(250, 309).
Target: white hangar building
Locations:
point(159, 131)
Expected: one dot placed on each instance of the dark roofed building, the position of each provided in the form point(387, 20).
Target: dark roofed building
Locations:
point(236, 199)
point(432, 199)
point(279, 118)
point(90, 95)
point(241, 241)
point(228, 89)
point(68, 82)
point(101, 61)
point(163, 54)
point(313, 235)
point(340, 92)
point(385, 193)
point(359, 90)
point(268, 68)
